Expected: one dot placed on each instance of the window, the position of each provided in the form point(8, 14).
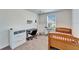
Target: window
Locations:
point(51, 22)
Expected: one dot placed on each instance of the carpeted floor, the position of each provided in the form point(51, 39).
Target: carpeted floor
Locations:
point(39, 43)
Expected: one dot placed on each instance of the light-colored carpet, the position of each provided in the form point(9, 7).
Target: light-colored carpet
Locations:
point(41, 43)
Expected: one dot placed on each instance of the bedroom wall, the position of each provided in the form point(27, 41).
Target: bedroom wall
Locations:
point(16, 19)
point(63, 19)
point(75, 22)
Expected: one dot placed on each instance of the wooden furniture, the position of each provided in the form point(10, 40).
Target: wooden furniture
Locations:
point(63, 41)
point(64, 30)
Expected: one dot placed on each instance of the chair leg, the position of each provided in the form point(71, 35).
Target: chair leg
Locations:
point(35, 36)
point(27, 39)
point(31, 38)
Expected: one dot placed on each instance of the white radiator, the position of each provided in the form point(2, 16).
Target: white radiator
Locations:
point(17, 38)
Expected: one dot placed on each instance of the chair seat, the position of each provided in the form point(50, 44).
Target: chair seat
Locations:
point(32, 34)
point(29, 35)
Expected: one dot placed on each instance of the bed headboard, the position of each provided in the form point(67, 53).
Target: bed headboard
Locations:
point(64, 30)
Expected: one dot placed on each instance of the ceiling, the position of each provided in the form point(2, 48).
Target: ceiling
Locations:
point(41, 11)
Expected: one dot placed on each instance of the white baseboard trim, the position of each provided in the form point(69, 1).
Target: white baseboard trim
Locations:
point(3, 46)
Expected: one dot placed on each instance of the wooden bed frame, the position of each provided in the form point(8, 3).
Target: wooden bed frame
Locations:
point(64, 30)
point(63, 41)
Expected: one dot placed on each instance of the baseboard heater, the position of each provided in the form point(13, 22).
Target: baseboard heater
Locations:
point(17, 38)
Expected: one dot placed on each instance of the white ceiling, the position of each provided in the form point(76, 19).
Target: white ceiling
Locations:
point(40, 11)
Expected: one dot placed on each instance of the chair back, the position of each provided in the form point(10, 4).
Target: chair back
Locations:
point(34, 32)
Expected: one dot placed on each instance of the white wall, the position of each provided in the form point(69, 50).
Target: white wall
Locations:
point(15, 19)
point(63, 19)
point(42, 23)
point(75, 22)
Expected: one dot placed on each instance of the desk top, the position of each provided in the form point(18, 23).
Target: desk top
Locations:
point(31, 29)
